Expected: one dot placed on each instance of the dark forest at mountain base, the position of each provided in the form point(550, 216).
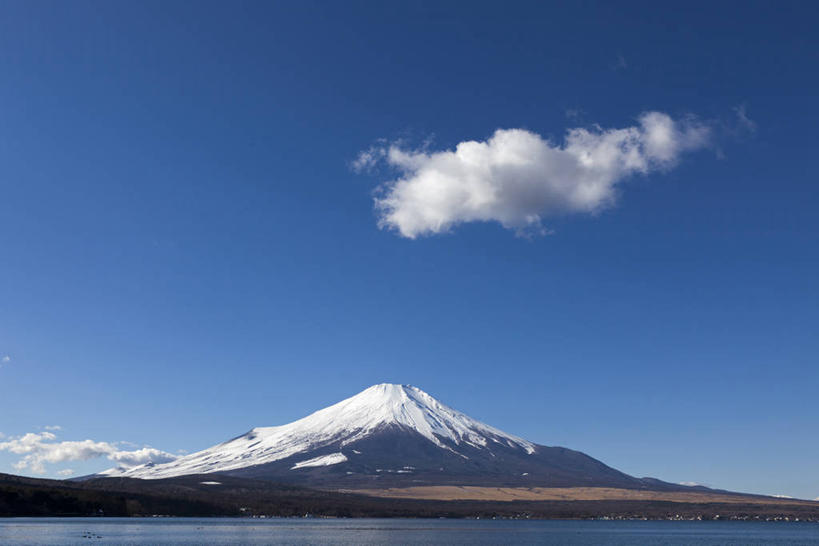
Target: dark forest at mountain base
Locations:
point(188, 496)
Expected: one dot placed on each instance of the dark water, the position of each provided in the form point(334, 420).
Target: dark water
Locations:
point(213, 531)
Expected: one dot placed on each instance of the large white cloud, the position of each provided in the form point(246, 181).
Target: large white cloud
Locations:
point(39, 448)
point(518, 178)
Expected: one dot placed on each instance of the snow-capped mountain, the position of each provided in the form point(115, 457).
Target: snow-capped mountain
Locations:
point(386, 436)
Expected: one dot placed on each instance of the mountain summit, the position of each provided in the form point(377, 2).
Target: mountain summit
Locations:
point(388, 436)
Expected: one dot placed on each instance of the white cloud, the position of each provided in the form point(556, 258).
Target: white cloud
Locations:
point(368, 159)
point(574, 113)
point(517, 178)
point(141, 456)
point(745, 123)
point(65, 472)
point(5, 360)
point(40, 448)
point(620, 63)
point(690, 484)
point(53, 427)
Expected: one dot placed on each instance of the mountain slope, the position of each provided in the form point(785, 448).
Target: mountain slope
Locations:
point(392, 436)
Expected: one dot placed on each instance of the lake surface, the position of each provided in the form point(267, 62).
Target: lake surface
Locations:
point(218, 531)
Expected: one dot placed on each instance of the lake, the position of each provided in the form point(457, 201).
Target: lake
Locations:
point(219, 531)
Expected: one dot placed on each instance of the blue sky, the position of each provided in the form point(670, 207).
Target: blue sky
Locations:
point(188, 250)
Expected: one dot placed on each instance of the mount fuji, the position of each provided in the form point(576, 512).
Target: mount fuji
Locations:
point(393, 436)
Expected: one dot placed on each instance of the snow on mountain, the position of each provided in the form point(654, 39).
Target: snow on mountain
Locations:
point(351, 420)
point(324, 460)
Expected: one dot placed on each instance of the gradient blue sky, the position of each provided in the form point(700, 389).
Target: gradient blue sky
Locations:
point(186, 252)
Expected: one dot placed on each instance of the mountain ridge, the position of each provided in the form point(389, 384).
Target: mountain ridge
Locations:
point(393, 435)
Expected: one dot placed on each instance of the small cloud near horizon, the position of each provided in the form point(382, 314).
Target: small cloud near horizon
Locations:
point(40, 448)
